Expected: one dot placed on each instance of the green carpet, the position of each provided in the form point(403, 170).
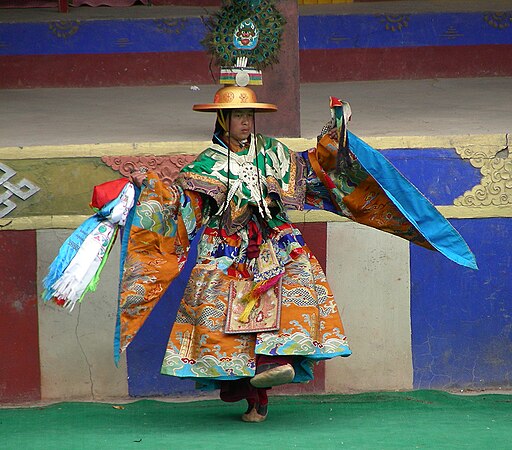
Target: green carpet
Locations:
point(420, 419)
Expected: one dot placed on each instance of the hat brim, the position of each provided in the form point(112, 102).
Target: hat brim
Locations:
point(213, 107)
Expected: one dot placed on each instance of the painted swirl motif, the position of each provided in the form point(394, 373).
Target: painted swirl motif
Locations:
point(395, 22)
point(170, 26)
point(499, 20)
point(166, 167)
point(495, 188)
point(64, 29)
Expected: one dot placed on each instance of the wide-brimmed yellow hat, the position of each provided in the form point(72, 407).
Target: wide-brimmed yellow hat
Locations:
point(235, 97)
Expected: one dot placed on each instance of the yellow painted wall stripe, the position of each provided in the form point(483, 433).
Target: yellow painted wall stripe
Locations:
point(493, 143)
point(195, 147)
point(71, 222)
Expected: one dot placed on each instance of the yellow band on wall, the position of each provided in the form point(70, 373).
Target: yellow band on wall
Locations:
point(66, 175)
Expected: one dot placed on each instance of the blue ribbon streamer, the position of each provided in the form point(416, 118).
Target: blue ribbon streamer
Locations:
point(413, 205)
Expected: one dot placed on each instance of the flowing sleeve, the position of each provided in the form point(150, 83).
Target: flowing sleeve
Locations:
point(371, 191)
point(154, 249)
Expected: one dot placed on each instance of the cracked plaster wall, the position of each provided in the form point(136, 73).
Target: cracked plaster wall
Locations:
point(76, 349)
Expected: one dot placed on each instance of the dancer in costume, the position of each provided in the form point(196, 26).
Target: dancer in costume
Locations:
point(257, 311)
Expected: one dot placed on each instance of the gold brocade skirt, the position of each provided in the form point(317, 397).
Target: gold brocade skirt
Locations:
point(310, 328)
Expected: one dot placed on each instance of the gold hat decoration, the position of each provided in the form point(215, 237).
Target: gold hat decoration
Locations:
point(235, 97)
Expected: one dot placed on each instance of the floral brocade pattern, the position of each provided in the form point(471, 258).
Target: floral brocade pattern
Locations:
point(157, 240)
point(356, 195)
point(310, 325)
point(310, 328)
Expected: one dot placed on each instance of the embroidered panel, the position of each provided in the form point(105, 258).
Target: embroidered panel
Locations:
point(310, 324)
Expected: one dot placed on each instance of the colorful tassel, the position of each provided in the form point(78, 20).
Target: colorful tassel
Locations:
point(253, 296)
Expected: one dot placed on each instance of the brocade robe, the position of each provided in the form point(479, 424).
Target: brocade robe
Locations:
point(297, 315)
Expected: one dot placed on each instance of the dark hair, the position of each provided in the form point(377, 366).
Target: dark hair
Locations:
point(218, 131)
point(218, 127)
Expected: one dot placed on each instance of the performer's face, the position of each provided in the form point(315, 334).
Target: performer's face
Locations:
point(241, 123)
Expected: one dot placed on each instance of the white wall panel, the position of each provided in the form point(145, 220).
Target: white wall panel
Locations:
point(369, 273)
point(76, 348)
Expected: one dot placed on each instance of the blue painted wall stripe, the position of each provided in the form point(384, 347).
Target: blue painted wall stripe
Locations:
point(315, 32)
point(146, 352)
point(440, 174)
point(101, 37)
point(414, 30)
point(462, 319)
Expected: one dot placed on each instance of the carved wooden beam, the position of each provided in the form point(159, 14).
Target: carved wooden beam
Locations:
point(166, 167)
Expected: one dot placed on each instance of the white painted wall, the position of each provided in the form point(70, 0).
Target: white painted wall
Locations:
point(369, 273)
point(76, 348)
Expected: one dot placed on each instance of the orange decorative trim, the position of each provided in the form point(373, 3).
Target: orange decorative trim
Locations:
point(319, 156)
point(370, 206)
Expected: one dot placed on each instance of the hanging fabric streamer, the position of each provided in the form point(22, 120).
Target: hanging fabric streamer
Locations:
point(78, 266)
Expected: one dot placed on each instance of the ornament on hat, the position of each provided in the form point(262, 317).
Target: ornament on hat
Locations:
point(244, 37)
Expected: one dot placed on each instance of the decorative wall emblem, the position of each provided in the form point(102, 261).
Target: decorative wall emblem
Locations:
point(123, 42)
point(171, 26)
point(395, 22)
point(23, 190)
point(495, 188)
point(64, 29)
point(451, 33)
point(498, 20)
point(166, 167)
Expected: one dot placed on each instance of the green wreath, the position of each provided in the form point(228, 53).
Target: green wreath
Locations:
point(245, 28)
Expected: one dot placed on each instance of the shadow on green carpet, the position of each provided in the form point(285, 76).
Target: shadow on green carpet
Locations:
point(419, 419)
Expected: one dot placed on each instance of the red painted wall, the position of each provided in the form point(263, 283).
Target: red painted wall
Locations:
point(20, 377)
point(101, 70)
point(356, 64)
